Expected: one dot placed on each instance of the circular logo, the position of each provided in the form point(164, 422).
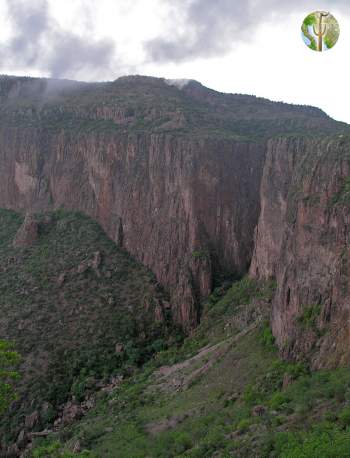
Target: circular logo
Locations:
point(320, 31)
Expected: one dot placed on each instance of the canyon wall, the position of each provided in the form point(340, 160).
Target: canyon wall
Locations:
point(302, 240)
point(189, 184)
point(186, 208)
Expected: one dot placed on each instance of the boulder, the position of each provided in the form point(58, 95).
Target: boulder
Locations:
point(31, 420)
point(71, 413)
point(22, 439)
point(119, 348)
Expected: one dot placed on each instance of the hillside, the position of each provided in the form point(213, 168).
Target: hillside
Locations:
point(79, 310)
point(156, 210)
point(137, 104)
point(224, 393)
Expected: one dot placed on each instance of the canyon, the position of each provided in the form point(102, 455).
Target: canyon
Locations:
point(199, 187)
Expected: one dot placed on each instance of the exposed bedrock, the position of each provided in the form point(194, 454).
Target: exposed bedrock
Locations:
point(186, 208)
point(302, 239)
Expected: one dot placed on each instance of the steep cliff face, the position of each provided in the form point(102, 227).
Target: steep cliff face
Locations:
point(178, 205)
point(173, 175)
point(302, 240)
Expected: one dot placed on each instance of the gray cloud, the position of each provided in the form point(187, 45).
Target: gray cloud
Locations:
point(206, 28)
point(195, 29)
point(39, 41)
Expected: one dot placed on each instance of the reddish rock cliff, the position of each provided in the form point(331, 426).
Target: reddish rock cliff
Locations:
point(302, 240)
point(173, 175)
point(185, 208)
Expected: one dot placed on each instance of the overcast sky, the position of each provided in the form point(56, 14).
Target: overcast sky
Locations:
point(239, 46)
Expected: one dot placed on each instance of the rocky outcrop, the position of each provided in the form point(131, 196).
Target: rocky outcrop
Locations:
point(302, 240)
point(177, 177)
point(186, 208)
point(27, 233)
point(171, 171)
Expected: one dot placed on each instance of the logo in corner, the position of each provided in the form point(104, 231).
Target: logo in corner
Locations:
point(320, 31)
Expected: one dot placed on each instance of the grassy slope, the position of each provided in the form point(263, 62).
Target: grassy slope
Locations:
point(67, 332)
point(197, 413)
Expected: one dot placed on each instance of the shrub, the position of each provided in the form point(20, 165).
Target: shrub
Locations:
point(182, 442)
point(46, 450)
point(344, 416)
point(309, 316)
point(323, 441)
point(54, 450)
point(244, 424)
point(201, 254)
point(267, 338)
point(8, 359)
point(278, 400)
point(251, 395)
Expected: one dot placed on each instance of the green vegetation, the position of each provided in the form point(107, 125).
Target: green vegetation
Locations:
point(223, 391)
point(225, 304)
point(344, 416)
point(323, 440)
point(135, 105)
point(241, 292)
point(8, 360)
point(343, 196)
point(54, 450)
point(209, 419)
point(66, 317)
point(235, 398)
point(309, 21)
point(309, 316)
point(200, 254)
point(267, 338)
point(331, 32)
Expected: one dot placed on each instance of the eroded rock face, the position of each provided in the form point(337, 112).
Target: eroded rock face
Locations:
point(185, 208)
point(302, 239)
point(27, 233)
point(162, 171)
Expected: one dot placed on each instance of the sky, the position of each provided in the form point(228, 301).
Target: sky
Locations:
point(238, 46)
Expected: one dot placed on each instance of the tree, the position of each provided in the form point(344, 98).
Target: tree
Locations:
point(8, 360)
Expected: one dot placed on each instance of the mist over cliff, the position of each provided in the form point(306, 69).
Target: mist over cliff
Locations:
point(225, 213)
point(180, 176)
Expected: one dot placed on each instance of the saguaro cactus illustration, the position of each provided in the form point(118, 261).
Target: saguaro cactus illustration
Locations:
point(321, 31)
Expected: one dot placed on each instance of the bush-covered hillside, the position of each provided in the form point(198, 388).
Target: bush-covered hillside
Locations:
point(223, 393)
point(136, 104)
point(79, 310)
